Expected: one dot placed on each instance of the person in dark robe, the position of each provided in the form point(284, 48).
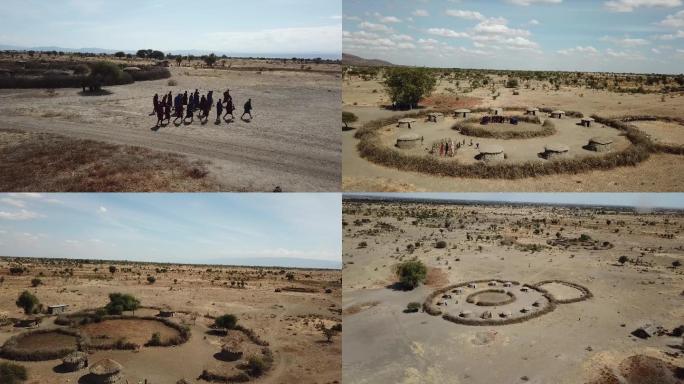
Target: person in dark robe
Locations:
point(155, 103)
point(219, 109)
point(247, 109)
point(185, 98)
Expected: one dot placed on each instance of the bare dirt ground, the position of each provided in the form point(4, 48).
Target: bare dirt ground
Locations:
point(575, 343)
point(292, 142)
point(368, 101)
point(288, 321)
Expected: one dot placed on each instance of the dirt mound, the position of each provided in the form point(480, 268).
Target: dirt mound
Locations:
point(641, 369)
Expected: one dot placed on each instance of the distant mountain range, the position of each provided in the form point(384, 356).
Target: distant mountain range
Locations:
point(185, 52)
point(348, 59)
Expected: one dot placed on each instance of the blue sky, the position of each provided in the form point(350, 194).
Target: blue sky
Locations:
point(578, 35)
point(264, 26)
point(255, 229)
point(639, 200)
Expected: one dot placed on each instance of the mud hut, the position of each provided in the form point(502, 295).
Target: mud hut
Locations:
point(57, 309)
point(75, 361)
point(496, 111)
point(408, 141)
point(462, 113)
point(491, 152)
point(106, 371)
point(586, 121)
point(600, 144)
point(406, 121)
point(532, 111)
point(558, 114)
point(231, 352)
point(166, 313)
point(552, 151)
point(435, 116)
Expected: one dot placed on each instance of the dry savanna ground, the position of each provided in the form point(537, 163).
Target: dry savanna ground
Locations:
point(587, 341)
point(285, 308)
point(292, 142)
point(365, 97)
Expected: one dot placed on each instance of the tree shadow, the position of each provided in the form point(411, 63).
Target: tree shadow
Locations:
point(398, 287)
point(345, 129)
point(101, 92)
point(62, 369)
point(222, 357)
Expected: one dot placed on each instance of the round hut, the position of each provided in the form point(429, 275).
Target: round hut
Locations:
point(462, 113)
point(555, 150)
point(532, 111)
point(408, 141)
point(106, 371)
point(406, 121)
point(600, 144)
point(496, 111)
point(491, 152)
point(435, 116)
point(586, 121)
point(75, 361)
point(558, 114)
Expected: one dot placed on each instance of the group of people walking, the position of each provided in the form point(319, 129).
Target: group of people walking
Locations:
point(448, 147)
point(183, 107)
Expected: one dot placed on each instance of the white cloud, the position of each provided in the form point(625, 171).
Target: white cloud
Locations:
point(336, 17)
point(102, 209)
point(625, 42)
point(446, 32)
point(14, 202)
point(296, 39)
point(655, 50)
point(579, 49)
point(533, 22)
point(406, 46)
point(19, 215)
point(374, 27)
point(677, 35)
point(402, 37)
point(468, 15)
point(497, 26)
point(674, 21)
point(631, 5)
point(421, 13)
point(352, 18)
point(526, 3)
point(388, 19)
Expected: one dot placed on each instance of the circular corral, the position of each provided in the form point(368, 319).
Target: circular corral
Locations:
point(563, 295)
point(491, 297)
point(44, 344)
point(407, 141)
point(137, 332)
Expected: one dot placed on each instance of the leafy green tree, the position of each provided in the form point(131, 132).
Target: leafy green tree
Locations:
point(406, 86)
point(348, 118)
point(112, 269)
point(119, 302)
point(28, 302)
point(411, 273)
point(210, 60)
point(227, 321)
point(120, 54)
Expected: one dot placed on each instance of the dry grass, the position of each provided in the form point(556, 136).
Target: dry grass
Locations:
point(51, 163)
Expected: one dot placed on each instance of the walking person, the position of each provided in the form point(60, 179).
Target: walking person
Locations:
point(167, 111)
point(219, 109)
point(230, 107)
point(160, 115)
point(247, 110)
point(185, 98)
point(155, 103)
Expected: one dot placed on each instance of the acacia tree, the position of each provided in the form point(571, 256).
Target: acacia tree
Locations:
point(210, 60)
point(119, 302)
point(411, 273)
point(406, 86)
point(28, 302)
point(347, 118)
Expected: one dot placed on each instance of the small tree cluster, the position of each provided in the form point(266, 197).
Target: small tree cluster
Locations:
point(411, 273)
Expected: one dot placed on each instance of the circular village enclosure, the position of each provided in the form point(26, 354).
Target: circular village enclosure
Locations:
point(499, 302)
point(510, 143)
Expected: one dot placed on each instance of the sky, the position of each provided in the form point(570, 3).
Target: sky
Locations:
point(643, 36)
point(264, 26)
point(638, 200)
point(302, 230)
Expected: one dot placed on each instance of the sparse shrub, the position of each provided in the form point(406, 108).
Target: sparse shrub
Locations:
point(290, 276)
point(155, 340)
point(28, 302)
point(412, 307)
point(676, 264)
point(441, 244)
point(151, 279)
point(623, 259)
point(172, 83)
point(112, 269)
point(36, 282)
point(411, 273)
point(363, 244)
point(584, 237)
point(256, 365)
point(11, 373)
point(227, 321)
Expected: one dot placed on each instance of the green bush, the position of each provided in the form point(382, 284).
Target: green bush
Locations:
point(28, 302)
point(151, 279)
point(406, 86)
point(256, 365)
point(36, 282)
point(348, 118)
point(155, 340)
point(227, 321)
point(623, 259)
point(412, 307)
point(12, 373)
point(411, 273)
point(119, 302)
point(441, 244)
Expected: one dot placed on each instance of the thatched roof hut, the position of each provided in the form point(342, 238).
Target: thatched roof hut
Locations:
point(406, 121)
point(75, 361)
point(491, 152)
point(555, 150)
point(435, 116)
point(558, 114)
point(496, 111)
point(586, 121)
point(106, 371)
point(486, 315)
point(462, 112)
point(600, 144)
point(532, 111)
point(408, 141)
